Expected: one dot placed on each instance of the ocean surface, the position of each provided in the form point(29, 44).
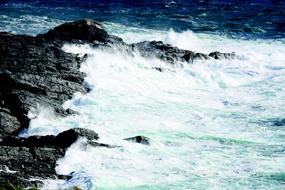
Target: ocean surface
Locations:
point(213, 124)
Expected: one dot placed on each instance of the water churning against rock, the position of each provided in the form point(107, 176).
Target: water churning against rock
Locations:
point(212, 124)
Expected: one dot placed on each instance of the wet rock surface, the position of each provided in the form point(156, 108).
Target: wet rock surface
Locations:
point(139, 139)
point(35, 157)
point(35, 71)
point(81, 31)
point(172, 54)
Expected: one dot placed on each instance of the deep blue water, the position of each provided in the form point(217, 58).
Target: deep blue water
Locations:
point(234, 18)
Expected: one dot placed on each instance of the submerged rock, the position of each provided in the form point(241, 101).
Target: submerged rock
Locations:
point(219, 55)
point(97, 144)
point(276, 122)
point(139, 139)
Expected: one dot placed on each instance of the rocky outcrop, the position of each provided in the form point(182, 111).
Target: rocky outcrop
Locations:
point(81, 31)
point(35, 157)
point(36, 71)
point(172, 54)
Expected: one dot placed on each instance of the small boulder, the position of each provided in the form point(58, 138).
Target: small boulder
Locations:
point(139, 139)
point(219, 55)
point(66, 138)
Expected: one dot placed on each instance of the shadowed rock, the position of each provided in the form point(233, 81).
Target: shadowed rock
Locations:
point(34, 72)
point(62, 140)
point(36, 156)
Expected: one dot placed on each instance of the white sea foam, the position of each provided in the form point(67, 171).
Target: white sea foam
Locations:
point(202, 119)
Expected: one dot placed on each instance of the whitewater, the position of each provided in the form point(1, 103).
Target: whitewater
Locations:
point(213, 124)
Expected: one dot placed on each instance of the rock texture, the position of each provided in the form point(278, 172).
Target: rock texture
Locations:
point(172, 54)
point(36, 156)
point(81, 31)
point(36, 71)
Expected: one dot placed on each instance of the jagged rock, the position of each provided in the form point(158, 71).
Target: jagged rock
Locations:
point(172, 54)
point(139, 139)
point(28, 162)
point(36, 156)
point(7, 179)
point(8, 123)
point(86, 31)
point(34, 71)
point(62, 140)
point(66, 138)
point(219, 55)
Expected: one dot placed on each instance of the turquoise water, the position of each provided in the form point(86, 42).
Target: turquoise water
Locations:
point(213, 124)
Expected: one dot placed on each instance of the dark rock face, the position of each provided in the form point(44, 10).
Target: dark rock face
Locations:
point(139, 139)
point(86, 31)
point(36, 156)
point(171, 54)
point(36, 71)
point(66, 138)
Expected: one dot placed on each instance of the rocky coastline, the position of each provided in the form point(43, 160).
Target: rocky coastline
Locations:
point(36, 71)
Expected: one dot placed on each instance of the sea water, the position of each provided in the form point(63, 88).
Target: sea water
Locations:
point(213, 124)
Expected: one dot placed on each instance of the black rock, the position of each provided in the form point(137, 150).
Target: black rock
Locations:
point(66, 138)
point(36, 156)
point(172, 54)
point(159, 69)
point(219, 55)
point(62, 140)
point(139, 139)
point(86, 31)
point(34, 72)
